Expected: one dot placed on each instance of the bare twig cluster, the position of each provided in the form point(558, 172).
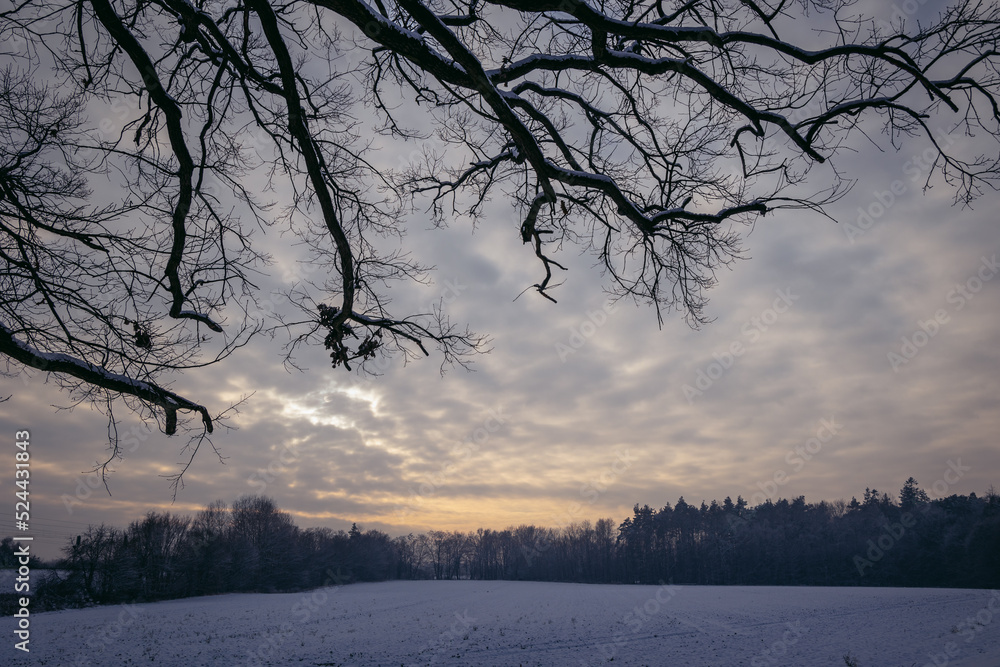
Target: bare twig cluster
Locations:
point(647, 132)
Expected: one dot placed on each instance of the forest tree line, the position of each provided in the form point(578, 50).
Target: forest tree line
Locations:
point(253, 546)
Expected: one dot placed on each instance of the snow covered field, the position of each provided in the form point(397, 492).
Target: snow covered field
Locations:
point(527, 623)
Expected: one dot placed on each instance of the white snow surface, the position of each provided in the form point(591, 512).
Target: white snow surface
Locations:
point(529, 623)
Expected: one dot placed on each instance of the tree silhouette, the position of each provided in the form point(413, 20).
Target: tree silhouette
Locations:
point(911, 494)
point(132, 213)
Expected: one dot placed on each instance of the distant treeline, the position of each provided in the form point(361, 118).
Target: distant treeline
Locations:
point(253, 546)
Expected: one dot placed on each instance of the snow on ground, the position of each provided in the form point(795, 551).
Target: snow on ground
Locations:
point(527, 623)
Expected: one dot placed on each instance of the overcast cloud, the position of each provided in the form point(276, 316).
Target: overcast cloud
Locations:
point(584, 408)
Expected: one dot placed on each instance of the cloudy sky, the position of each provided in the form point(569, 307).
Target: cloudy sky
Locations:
point(583, 409)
